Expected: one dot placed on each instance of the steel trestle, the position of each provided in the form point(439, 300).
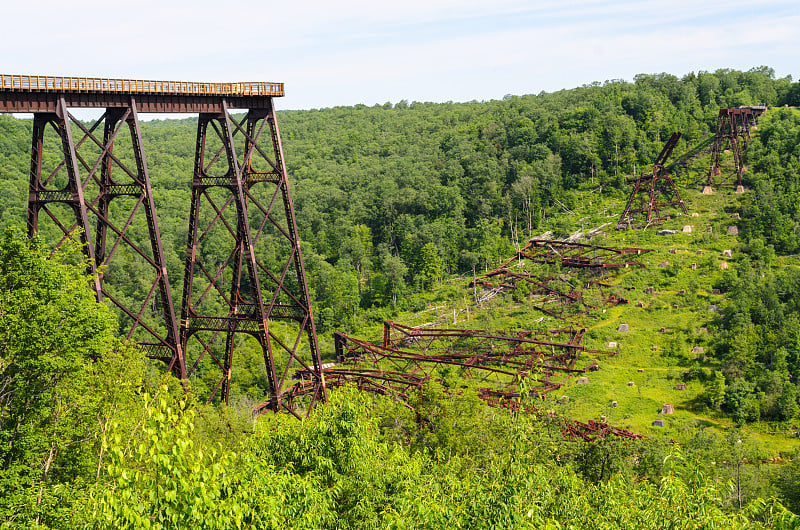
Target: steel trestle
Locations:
point(97, 177)
point(98, 192)
point(733, 134)
point(241, 201)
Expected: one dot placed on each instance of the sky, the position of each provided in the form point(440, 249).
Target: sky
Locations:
point(348, 52)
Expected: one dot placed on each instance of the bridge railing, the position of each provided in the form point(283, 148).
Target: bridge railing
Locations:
point(32, 83)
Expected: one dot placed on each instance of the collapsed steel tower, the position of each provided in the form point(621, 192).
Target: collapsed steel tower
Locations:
point(652, 193)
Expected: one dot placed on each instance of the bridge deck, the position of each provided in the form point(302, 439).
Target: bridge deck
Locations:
point(24, 93)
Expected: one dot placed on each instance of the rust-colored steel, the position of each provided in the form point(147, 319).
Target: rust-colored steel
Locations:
point(733, 133)
point(594, 430)
point(241, 203)
point(578, 255)
point(567, 254)
point(377, 381)
point(408, 357)
point(26, 93)
point(652, 193)
point(100, 192)
point(556, 296)
point(570, 429)
point(90, 176)
point(148, 103)
point(503, 358)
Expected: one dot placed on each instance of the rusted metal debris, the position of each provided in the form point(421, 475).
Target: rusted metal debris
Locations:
point(652, 193)
point(520, 353)
point(594, 430)
point(570, 254)
point(570, 429)
point(502, 365)
point(377, 381)
point(556, 296)
point(410, 356)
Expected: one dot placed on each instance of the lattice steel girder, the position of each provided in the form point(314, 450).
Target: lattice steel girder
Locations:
point(242, 210)
point(580, 255)
point(89, 178)
point(397, 335)
point(149, 103)
point(519, 352)
point(384, 382)
point(553, 295)
point(577, 255)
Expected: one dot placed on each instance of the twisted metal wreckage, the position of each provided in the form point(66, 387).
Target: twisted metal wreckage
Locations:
point(558, 295)
point(409, 357)
point(653, 192)
point(656, 191)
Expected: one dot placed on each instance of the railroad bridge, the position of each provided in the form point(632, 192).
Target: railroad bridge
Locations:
point(243, 270)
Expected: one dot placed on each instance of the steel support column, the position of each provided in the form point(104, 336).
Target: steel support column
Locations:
point(95, 178)
point(241, 203)
point(733, 133)
point(653, 192)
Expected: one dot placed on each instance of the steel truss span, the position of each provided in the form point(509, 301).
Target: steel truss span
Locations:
point(44, 83)
point(24, 93)
point(98, 192)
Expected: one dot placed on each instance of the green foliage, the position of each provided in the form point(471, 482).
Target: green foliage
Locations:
point(430, 265)
point(167, 480)
point(334, 470)
point(600, 461)
point(787, 482)
point(52, 329)
point(715, 390)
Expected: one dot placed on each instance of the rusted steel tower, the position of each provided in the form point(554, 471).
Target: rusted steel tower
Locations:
point(653, 192)
point(98, 191)
point(241, 201)
point(733, 134)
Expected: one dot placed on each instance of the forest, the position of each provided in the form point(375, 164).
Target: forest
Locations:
point(399, 206)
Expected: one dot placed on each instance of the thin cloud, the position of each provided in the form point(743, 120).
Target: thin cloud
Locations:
point(356, 51)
